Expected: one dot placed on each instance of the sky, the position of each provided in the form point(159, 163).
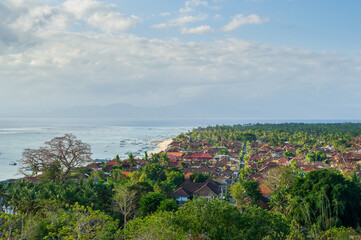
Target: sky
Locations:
point(239, 58)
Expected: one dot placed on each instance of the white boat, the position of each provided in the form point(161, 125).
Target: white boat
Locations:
point(12, 163)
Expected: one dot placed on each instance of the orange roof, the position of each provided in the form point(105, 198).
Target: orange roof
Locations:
point(187, 175)
point(282, 160)
point(126, 173)
point(177, 154)
point(265, 190)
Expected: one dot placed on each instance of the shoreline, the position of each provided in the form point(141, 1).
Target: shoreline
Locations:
point(163, 146)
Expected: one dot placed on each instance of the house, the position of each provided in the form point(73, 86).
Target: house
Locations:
point(256, 177)
point(283, 161)
point(201, 169)
point(268, 167)
point(94, 166)
point(174, 163)
point(266, 148)
point(299, 157)
point(208, 189)
point(265, 190)
point(221, 157)
point(307, 168)
point(114, 162)
point(175, 155)
point(197, 156)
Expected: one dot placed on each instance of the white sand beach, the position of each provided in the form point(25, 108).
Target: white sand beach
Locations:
point(163, 145)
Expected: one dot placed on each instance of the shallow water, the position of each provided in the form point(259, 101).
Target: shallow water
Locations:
point(106, 137)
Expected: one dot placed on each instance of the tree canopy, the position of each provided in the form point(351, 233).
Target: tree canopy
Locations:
point(59, 157)
point(327, 199)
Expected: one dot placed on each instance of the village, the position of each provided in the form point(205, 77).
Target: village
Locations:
point(223, 162)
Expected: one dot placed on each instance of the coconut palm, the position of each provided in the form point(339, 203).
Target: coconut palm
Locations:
point(132, 160)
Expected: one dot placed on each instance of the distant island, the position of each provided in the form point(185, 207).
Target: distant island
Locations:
point(253, 181)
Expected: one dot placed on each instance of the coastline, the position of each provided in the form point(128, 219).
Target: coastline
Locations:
point(163, 146)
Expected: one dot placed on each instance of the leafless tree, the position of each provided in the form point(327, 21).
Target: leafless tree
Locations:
point(66, 151)
point(34, 159)
point(125, 201)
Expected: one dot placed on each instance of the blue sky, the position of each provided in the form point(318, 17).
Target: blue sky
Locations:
point(318, 25)
point(252, 56)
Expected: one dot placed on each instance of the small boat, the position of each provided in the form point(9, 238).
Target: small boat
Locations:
point(12, 163)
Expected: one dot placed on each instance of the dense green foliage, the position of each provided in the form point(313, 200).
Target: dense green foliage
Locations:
point(309, 135)
point(316, 156)
point(199, 177)
point(327, 199)
point(150, 203)
point(210, 219)
point(27, 197)
point(252, 191)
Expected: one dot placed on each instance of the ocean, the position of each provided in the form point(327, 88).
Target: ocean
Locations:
point(106, 136)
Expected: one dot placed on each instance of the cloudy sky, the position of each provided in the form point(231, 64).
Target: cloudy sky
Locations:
point(251, 58)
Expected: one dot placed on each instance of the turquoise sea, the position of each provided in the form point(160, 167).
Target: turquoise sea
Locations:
point(107, 137)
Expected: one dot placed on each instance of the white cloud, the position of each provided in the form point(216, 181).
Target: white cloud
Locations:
point(34, 18)
point(185, 10)
point(101, 16)
point(112, 22)
point(160, 25)
point(180, 21)
point(83, 8)
point(196, 3)
point(190, 5)
point(165, 14)
point(239, 20)
point(28, 19)
point(67, 69)
point(197, 30)
point(187, 19)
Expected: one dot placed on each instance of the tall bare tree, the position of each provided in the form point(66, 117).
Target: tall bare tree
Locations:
point(66, 153)
point(125, 201)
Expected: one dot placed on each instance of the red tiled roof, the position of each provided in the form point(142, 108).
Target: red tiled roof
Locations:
point(172, 157)
point(283, 160)
point(265, 190)
point(198, 155)
point(113, 163)
point(307, 168)
point(177, 154)
point(266, 148)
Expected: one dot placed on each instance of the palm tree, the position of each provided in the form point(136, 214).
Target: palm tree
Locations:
point(132, 160)
point(164, 159)
point(117, 159)
point(155, 157)
point(146, 158)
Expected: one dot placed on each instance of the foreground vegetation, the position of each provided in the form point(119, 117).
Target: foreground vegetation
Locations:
point(68, 202)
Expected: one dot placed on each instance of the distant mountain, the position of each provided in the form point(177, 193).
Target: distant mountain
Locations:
point(123, 110)
point(197, 109)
